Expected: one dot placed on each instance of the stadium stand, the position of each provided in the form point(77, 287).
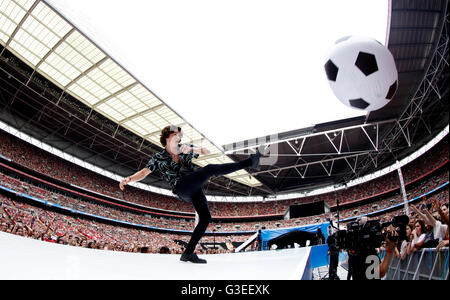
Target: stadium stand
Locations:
point(20, 215)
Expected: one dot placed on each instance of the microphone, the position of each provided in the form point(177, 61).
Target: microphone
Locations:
point(180, 145)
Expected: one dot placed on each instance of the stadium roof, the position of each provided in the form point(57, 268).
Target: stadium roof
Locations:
point(341, 151)
point(48, 43)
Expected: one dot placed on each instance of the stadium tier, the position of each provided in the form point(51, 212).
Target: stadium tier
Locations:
point(103, 219)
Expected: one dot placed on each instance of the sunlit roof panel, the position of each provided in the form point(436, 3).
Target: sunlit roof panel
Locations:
point(84, 92)
point(70, 56)
point(24, 4)
point(191, 134)
point(115, 115)
point(3, 37)
point(60, 64)
point(34, 40)
point(214, 150)
point(102, 84)
point(169, 116)
point(141, 130)
point(30, 45)
point(52, 21)
point(155, 119)
point(15, 11)
point(145, 96)
point(40, 32)
point(31, 58)
point(10, 15)
point(84, 47)
point(59, 70)
point(146, 123)
point(152, 102)
point(120, 106)
point(131, 101)
point(116, 73)
point(98, 85)
point(59, 77)
point(110, 111)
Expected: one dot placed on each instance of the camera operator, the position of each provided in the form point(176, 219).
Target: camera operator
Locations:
point(333, 252)
point(365, 263)
point(390, 247)
point(362, 239)
point(358, 257)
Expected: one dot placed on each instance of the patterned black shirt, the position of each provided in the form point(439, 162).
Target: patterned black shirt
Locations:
point(170, 170)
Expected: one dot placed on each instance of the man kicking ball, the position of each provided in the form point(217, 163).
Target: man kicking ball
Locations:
point(175, 164)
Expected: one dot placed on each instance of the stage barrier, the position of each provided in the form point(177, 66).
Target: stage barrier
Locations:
point(426, 264)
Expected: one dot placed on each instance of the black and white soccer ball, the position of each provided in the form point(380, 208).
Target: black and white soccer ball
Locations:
point(362, 73)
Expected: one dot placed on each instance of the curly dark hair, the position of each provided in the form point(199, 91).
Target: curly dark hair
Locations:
point(166, 132)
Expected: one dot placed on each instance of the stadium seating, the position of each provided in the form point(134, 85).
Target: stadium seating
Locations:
point(23, 218)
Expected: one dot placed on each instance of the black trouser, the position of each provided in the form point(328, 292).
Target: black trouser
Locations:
point(190, 188)
point(351, 262)
point(334, 262)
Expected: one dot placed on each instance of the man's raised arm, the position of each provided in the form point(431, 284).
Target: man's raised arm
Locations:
point(141, 175)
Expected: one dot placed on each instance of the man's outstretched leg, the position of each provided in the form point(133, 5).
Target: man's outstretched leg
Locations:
point(196, 180)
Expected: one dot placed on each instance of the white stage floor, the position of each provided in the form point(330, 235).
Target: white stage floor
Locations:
point(24, 258)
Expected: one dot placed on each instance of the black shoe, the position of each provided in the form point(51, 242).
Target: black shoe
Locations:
point(193, 258)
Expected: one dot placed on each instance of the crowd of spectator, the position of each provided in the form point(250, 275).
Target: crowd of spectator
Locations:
point(55, 167)
point(425, 186)
point(34, 222)
point(428, 226)
point(131, 215)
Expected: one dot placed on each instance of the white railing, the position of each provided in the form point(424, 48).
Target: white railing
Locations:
point(426, 264)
